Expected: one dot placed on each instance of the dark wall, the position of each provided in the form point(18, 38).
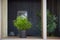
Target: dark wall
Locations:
point(54, 7)
point(58, 12)
point(32, 7)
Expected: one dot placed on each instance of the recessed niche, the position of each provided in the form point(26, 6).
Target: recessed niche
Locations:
point(30, 9)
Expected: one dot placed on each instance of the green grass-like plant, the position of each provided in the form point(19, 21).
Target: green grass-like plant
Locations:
point(22, 23)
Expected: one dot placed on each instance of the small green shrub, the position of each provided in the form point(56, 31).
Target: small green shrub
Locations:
point(22, 23)
point(51, 22)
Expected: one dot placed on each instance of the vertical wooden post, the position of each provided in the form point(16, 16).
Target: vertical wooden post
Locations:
point(44, 19)
point(4, 18)
point(0, 18)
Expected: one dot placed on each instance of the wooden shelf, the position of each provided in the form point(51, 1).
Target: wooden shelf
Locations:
point(53, 37)
point(28, 37)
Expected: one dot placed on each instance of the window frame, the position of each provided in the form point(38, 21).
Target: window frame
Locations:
point(4, 18)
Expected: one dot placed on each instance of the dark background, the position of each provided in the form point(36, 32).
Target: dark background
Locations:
point(54, 7)
point(32, 7)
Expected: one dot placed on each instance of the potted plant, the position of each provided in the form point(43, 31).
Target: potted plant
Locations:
point(22, 24)
point(51, 23)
